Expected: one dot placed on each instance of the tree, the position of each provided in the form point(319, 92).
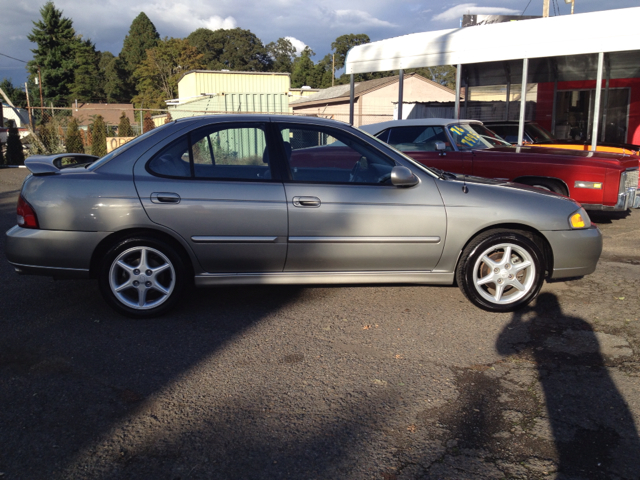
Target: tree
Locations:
point(15, 155)
point(444, 75)
point(16, 95)
point(303, 70)
point(142, 36)
point(344, 43)
point(54, 55)
point(124, 127)
point(282, 53)
point(159, 73)
point(86, 84)
point(235, 49)
point(113, 77)
point(148, 124)
point(99, 137)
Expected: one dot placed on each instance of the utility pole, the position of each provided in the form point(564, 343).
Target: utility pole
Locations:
point(572, 2)
point(333, 69)
point(545, 8)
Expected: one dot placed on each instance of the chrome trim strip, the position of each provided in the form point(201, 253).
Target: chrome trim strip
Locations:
point(364, 239)
point(232, 239)
point(311, 278)
point(22, 265)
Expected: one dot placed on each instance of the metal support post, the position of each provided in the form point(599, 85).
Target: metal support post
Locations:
point(523, 100)
point(596, 107)
point(456, 112)
point(400, 93)
point(351, 99)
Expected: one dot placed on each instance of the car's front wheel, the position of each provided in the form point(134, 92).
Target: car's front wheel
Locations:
point(142, 277)
point(501, 271)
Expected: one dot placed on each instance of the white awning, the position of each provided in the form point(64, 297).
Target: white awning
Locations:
point(605, 31)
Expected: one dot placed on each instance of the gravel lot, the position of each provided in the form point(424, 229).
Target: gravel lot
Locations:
point(382, 382)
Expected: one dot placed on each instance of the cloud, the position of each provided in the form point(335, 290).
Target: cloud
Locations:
point(359, 18)
point(455, 13)
point(215, 23)
point(299, 45)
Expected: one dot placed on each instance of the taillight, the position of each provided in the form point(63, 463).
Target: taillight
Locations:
point(26, 215)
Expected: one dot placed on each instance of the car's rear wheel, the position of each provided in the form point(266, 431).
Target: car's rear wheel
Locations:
point(501, 271)
point(142, 277)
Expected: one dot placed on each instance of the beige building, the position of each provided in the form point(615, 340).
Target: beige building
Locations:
point(374, 100)
point(209, 92)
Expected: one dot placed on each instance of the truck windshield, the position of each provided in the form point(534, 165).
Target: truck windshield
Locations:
point(474, 136)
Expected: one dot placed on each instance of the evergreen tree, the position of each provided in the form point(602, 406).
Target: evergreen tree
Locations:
point(344, 43)
point(112, 79)
point(99, 137)
point(142, 36)
point(73, 138)
point(16, 95)
point(148, 124)
point(303, 70)
point(86, 84)
point(54, 55)
point(124, 127)
point(15, 155)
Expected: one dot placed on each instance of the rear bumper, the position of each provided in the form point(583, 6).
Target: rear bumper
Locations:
point(51, 252)
point(575, 252)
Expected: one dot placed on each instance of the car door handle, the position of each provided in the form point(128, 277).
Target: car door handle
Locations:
point(165, 197)
point(306, 202)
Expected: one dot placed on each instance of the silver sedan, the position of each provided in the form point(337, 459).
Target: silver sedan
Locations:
point(240, 199)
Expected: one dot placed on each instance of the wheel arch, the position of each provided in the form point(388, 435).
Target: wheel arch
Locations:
point(524, 179)
point(103, 247)
point(530, 232)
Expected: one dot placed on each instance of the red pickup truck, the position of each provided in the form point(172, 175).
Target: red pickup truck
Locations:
point(601, 181)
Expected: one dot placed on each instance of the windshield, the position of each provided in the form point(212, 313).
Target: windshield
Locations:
point(124, 147)
point(474, 136)
point(538, 134)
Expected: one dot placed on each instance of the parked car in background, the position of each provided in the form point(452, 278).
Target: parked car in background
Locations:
point(599, 182)
point(248, 199)
point(536, 135)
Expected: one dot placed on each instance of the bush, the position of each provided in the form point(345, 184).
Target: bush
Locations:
point(15, 155)
point(99, 137)
point(124, 127)
point(73, 139)
point(148, 123)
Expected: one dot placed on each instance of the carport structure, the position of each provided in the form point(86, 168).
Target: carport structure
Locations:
point(589, 48)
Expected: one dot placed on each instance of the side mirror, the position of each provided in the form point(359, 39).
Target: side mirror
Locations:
point(441, 147)
point(403, 177)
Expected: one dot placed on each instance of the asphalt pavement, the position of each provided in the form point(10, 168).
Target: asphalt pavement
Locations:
point(358, 382)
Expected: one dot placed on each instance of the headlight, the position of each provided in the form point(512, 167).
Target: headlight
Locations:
point(580, 219)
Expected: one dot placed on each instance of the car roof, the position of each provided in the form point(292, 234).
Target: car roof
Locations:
point(374, 128)
point(243, 117)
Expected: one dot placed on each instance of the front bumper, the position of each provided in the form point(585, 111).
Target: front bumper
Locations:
point(575, 252)
point(51, 252)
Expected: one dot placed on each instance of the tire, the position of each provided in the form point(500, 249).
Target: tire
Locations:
point(546, 184)
point(144, 292)
point(495, 283)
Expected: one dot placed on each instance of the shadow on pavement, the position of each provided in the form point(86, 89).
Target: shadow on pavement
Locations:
point(593, 429)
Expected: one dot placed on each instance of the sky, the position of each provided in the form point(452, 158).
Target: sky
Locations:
point(316, 24)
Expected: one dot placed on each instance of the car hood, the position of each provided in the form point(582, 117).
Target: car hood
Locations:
point(471, 180)
point(563, 155)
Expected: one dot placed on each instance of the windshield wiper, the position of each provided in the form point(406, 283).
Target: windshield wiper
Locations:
point(442, 174)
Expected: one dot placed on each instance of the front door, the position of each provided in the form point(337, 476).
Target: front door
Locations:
point(344, 214)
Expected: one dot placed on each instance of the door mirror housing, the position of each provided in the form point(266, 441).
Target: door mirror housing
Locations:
point(441, 146)
point(403, 177)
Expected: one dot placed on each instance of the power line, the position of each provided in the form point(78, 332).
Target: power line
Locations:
point(525, 8)
point(13, 58)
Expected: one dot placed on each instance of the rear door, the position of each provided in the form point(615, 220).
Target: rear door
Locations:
point(216, 187)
